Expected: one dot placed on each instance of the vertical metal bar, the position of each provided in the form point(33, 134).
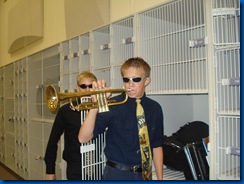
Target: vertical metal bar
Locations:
point(190, 162)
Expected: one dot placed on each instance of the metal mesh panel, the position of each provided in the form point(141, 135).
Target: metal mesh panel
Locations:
point(117, 81)
point(85, 52)
point(73, 82)
point(228, 81)
point(64, 66)
point(101, 53)
point(74, 56)
point(101, 47)
point(20, 118)
point(122, 47)
point(177, 27)
point(93, 159)
point(228, 148)
point(34, 93)
point(226, 34)
point(74, 60)
point(226, 22)
point(74, 45)
point(64, 54)
point(103, 74)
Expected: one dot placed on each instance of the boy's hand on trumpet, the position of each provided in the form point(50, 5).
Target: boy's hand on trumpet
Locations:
point(99, 86)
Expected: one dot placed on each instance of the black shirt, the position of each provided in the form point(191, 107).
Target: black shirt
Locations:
point(68, 122)
point(122, 142)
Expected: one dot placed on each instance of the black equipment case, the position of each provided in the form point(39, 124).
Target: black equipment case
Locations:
point(186, 151)
point(194, 161)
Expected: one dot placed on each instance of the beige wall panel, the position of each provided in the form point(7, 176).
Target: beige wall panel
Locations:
point(64, 19)
point(84, 15)
point(54, 22)
point(123, 8)
point(54, 30)
point(25, 24)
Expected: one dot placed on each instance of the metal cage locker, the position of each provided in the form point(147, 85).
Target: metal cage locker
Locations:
point(100, 62)
point(74, 62)
point(193, 48)
point(93, 159)
point(226, 34)
point(84, 45)
point(122, 48)
point(172, 39)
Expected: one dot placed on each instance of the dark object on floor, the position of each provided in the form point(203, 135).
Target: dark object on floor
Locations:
point(194, 162)
point(174, 146)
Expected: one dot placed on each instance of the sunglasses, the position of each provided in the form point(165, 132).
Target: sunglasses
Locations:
point(134, 79)
point(84, 86)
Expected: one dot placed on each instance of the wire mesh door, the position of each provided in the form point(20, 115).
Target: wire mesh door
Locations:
point(226, 32)
point(93, 159)
point(172, 39)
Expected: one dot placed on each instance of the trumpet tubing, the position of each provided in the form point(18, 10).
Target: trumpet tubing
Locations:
point(53, 99)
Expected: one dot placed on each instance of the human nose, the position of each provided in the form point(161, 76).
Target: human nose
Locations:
point(131, 83)
point(87, 88)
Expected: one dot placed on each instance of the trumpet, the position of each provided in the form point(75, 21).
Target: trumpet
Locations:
point(53, 99)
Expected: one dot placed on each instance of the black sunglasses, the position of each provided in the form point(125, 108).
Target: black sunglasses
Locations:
point(84, 86)
point(134, 79)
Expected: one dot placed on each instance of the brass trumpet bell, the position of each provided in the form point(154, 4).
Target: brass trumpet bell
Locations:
point(53, 99)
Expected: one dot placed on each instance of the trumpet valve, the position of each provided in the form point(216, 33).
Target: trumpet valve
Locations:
point(102, 102)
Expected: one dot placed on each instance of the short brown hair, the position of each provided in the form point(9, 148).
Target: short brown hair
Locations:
point(136, 62)
point(86, 74)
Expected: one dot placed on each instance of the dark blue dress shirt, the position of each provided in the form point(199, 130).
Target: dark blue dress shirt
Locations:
point(122, 143)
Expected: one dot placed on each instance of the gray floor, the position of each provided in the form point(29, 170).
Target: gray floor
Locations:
point(170, 174)
point(6, 174)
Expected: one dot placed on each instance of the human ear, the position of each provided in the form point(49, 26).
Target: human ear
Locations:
point(147, 81)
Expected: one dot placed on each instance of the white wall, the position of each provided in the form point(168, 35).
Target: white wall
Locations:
point(181, 109)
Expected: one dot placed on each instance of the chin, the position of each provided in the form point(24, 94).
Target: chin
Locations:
point(132, 95)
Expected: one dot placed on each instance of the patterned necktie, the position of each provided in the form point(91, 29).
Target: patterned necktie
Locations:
point(145, 149)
